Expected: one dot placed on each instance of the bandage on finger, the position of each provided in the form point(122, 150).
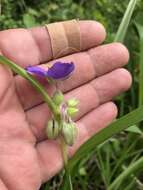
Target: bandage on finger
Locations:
point(65, 38)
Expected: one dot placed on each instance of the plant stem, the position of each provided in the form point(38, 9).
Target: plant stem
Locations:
point(64, 148)
point(64, 151)
point(17, 69)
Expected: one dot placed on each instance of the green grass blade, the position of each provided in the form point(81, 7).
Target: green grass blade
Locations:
point(139, 28)
point(125, 22)
point(136, 166)
point(125, 153)
point(126, 121)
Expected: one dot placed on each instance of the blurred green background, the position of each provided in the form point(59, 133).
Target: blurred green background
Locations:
point(102, 166)
point(28, 13)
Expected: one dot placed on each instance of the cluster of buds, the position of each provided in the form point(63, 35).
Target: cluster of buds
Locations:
point(66, 127)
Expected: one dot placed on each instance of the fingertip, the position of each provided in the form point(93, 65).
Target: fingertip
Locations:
point(125, 78)
point(93, 33)
point(98, 30)
point(123, 51)
point(113, 109)
point(101, 30)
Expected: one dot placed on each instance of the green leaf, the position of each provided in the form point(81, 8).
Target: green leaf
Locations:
point(29, 20)
point(125, 22)
point(82, 171)
point(134, 167)
point(139, 28)
point(120, 124)
point(134, 129)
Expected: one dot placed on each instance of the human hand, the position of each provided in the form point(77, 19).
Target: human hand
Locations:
point(27, 158)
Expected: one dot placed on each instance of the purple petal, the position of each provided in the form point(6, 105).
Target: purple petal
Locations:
point(36, 70)
point(60, 70)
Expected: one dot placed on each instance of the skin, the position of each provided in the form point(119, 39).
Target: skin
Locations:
point(27, 158)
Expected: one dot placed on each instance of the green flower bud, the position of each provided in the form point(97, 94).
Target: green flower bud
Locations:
point(72, 111)
point(69, 132)
point(72, 102)
point(52, 129)
point(58, 97)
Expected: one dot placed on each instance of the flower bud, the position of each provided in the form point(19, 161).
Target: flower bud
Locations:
point(52, 129)
point(58, 97)
point(69, 132)
point(72, 111)
point(72, 102)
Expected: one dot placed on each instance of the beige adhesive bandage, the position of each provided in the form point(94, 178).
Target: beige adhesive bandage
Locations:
point(65, 37)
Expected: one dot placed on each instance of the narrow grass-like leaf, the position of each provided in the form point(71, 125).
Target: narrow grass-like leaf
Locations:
point(126, 121)
point(125, 153)
point(136, 166)
point(125, 22)
point(139, 28)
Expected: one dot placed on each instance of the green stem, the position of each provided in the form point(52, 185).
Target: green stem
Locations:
point(64, 151)
point(17, 69)
point(64, 148)
point(130, 170)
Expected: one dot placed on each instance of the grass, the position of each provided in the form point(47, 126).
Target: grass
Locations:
point(103, 163)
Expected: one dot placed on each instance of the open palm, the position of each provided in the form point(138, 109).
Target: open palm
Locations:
point(27, 158)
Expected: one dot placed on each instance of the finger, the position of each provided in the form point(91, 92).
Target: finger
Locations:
point(33, 46)
point(87, 126)
point(90, 96)
point(2, 186)
point(89, 65)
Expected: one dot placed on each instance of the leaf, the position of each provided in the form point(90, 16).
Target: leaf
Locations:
point(125, 22)
point(134, 129)
point(124, 122)
point(138, 18)
point(29, 20)
point(139, 28)
point(134, 167)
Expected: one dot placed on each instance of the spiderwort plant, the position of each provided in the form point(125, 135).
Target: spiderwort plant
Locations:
point(65, 127)
point(61, 125)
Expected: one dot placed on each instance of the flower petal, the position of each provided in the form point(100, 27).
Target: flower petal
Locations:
point(36, 70)
point(60, 70)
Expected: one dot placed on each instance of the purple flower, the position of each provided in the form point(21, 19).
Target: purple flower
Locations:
point(58, 71)
point(36, 70)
